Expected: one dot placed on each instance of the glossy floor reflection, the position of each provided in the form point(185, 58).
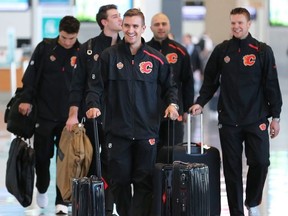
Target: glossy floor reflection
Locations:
point(275, 194)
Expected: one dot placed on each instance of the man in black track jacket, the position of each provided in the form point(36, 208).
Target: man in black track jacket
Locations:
point(133, 78)
point(245, 70)
point(54, 59)
point(109, 20)
point(179, 59)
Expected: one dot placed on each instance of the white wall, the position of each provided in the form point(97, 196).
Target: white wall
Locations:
point(19, 21)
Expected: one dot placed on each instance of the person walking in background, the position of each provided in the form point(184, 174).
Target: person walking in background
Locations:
point(245, 70)
point(54, 59)
point(132, 79)
point(179, 60)
point(109, 20)
point(195, 59)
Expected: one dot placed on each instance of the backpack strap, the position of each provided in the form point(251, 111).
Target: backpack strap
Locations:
point(89, 47)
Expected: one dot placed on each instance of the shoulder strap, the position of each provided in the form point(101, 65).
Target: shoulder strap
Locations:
point(262, 49)
point(42, 51)
point(89, 47)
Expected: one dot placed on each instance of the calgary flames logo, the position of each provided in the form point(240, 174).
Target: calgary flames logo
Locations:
point(249, 60)
point(152, 141)
point(262, 127)
point(146, 67)
point(172, 58)
point(73, 61)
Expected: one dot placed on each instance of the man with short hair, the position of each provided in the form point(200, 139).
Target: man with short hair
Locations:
point(245, 70)
point(133, 78)
point(54, 59)
point(109, 20)
point(179, 60)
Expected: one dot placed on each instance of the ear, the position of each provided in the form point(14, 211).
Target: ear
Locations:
point(143, 28)
point(104, 22)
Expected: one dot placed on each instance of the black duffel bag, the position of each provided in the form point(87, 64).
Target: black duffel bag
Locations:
point(18, 124)
point(20, 171)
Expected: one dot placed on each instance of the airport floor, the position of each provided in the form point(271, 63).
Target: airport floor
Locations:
point(275, 194)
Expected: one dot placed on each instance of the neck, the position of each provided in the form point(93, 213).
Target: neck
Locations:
point(112, 34)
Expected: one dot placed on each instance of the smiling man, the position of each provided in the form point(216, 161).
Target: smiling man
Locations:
point(246, 72)
point(179, 60)
point(132, 76)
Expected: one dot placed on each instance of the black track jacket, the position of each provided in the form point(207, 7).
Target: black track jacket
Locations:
point(179, 59)
point(247, 85)
point(55, 64)
point(86, 62)
point(132, 87)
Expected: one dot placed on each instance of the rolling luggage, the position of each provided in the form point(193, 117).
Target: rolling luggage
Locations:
point(88, 192)
point(162, 190)
point(194, 153)
point(180, 189)
point(190, 194)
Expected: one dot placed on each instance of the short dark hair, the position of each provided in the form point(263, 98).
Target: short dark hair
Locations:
point(135, 12)
point(240, 10)
point(69, 24)
point(102, 13)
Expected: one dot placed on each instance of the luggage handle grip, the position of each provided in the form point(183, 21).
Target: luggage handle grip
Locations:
point(189, 133)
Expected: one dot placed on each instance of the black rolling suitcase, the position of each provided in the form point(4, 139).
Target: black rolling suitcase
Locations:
point(210, 156)
point(180, 189)
point(88, 193)
point(190, 194)
point(162, 190)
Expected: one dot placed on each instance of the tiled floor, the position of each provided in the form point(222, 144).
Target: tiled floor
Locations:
point(275, 193)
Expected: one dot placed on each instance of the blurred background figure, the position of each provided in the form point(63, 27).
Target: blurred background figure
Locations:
point(195, 59)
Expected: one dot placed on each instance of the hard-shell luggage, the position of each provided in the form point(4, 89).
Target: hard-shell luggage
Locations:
point(88, 197)
point(162, 190)
point(190, 194)
point(180, 189)
point(200, 153)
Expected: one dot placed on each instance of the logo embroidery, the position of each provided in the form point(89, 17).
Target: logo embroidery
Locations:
point(227, 59)
point(262, 127)
point(152, 141)
point(146, 67)
point(96, 56)
point(249, 60)
point(172, 58)
point(120, 65)
point(52, 58)
point(73, 61)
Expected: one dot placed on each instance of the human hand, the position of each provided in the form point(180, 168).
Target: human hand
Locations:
point(274, 128)
point(171, 112)
point(196, 109)
point(71, 121)
point(93, 113)
point(25, 108)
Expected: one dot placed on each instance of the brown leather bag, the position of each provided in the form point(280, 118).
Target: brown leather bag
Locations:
point(73, 159)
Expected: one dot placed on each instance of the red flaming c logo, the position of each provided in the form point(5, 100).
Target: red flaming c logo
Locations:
point(146, 67)
point(172, 58)
point(249, 60)
point(73, 61)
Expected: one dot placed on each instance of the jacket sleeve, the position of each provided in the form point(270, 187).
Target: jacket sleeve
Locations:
point(32, 73)
point(169, 90)
point(78, 83)
point(95, 85)
point(187, 83)
point(212, 74)
point(271, 85)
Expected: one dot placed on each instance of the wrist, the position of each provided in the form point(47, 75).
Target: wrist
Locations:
point(175, 105)
point(276, 119)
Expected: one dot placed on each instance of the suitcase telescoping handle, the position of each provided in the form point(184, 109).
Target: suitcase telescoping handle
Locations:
point(189, 133)
point(97, 149)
